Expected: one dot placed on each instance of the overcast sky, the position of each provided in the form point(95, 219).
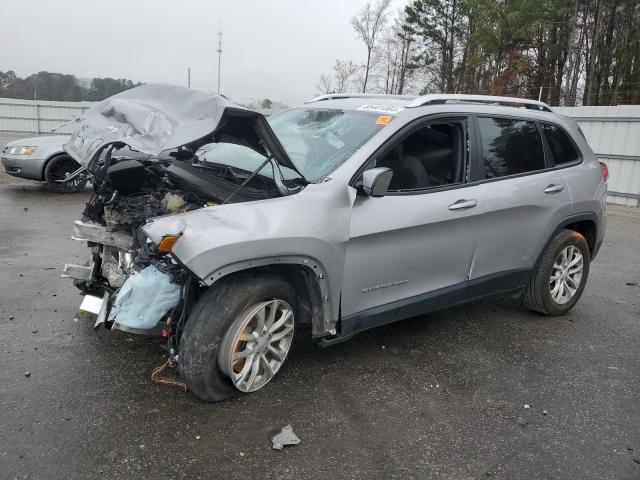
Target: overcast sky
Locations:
point(271, 48)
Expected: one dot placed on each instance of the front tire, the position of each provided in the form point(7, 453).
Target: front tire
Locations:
point(560, 276)
point(57, 169)
point(237, 337)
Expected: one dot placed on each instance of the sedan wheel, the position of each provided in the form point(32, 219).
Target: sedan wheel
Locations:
point(58, 170)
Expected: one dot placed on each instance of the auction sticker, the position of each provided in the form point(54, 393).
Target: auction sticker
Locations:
point(383, 119)
point(380, 108)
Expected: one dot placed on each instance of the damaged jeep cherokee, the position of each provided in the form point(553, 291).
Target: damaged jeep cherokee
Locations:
point(225, 231)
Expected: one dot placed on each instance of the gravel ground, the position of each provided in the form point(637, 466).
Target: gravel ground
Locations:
point(441, 396)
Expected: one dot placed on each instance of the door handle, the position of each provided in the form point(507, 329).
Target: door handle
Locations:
point(553, 188)
point(463, 204)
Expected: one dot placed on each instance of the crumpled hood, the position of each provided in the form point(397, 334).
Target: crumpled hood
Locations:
point(153, 118)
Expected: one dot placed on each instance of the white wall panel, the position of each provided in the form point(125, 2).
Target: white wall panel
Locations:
point(614, 135)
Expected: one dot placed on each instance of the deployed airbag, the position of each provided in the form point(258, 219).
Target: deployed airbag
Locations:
point(144, 298)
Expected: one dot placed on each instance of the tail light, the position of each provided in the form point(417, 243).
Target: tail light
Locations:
point(604, 170)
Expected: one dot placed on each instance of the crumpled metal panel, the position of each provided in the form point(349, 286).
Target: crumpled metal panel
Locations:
point(153, 118)
point(313, 224)
point(92, 232)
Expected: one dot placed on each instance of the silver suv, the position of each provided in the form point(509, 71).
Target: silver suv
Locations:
point(352, 211)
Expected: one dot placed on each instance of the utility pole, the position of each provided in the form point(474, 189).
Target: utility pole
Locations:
point(219, 58)
point(188, 77)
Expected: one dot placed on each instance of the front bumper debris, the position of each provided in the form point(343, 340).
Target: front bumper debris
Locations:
point(94, 308)
point(77, 272)
point(92, 232)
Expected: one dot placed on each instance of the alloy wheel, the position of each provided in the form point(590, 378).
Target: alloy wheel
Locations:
point(256, 345)
point(566, 274)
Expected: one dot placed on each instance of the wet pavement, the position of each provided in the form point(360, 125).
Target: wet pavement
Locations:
point(441, 396)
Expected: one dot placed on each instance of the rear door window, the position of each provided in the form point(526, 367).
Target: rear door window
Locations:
point(561, 146)
point(510, 146)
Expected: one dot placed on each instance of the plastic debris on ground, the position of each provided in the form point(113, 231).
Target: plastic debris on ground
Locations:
point(285, 437)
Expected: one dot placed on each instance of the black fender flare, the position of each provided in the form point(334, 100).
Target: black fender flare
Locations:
point(579, 217)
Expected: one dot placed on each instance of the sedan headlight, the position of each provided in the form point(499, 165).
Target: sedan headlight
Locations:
point(21, 150)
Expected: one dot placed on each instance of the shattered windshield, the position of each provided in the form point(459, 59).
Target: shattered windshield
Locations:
point(317, 140)
point(320, 140)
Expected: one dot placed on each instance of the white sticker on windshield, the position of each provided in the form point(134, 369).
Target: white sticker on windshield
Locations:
point(380, 108)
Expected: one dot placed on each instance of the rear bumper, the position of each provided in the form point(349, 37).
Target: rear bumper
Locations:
point(23, 167)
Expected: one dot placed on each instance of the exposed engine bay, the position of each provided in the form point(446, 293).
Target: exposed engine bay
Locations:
point(140, 283)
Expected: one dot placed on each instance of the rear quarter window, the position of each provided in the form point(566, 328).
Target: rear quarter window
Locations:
point(562, 149)
point(510, 147)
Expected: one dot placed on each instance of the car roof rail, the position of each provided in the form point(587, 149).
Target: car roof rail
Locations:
point(337, 96)
point(438, 99)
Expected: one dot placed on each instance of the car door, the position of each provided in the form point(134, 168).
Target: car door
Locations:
point(412, 246)
point(522, 199)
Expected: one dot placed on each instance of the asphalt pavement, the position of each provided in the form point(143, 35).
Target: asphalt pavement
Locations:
point(441, 396)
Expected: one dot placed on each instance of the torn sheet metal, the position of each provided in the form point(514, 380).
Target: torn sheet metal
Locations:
point(285, 437)
point(153, 118)
point(92, 232)
point(77, 272)
point(145, 297)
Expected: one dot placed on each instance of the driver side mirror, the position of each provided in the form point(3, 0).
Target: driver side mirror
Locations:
point(375, 181)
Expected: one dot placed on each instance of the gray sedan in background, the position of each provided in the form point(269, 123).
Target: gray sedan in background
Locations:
point(43, 159)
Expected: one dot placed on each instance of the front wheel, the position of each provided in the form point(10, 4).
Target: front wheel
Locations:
point(238, 336)
point(57, 171)
point(560, 276)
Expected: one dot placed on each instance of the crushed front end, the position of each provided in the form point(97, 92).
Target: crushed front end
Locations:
point(141, 149)
point(130, 283)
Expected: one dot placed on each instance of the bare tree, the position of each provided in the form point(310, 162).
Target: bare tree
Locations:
point(324, 84)
point(368, 23)
point(344, 72)
point(394, 51)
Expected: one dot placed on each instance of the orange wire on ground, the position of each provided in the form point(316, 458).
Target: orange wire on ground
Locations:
point(155, 377)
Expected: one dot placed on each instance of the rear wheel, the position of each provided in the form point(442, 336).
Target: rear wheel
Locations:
point(560, 276)
point(58, 170)
point(238, 336)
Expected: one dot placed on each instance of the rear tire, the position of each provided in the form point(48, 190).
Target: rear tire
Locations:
point(218, 312)
point(57, 169)
point(560, 276)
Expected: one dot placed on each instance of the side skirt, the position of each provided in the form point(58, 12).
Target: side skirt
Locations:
point(490, 285)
